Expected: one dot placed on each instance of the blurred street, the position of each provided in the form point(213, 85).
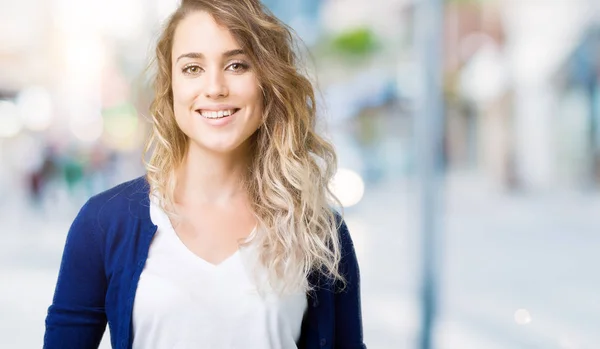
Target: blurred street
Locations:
point(500, 98)
point(501, 253)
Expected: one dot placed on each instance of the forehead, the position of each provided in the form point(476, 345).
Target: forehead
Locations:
point(199, 32)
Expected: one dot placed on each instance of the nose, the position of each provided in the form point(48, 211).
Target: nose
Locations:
point(215, 85)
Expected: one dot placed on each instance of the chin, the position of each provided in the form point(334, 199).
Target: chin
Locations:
point(218, 147)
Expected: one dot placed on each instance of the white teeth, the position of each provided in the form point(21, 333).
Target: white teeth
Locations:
point(216, 114)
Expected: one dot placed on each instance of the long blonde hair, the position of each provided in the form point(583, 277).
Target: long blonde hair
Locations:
point(288, 183)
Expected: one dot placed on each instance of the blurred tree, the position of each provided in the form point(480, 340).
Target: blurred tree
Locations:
point(356, 42)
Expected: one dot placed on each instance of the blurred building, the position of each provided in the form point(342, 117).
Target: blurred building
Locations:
point(578, 84)
point(503, 102)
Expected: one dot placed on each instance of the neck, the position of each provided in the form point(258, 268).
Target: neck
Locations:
point(206, 177)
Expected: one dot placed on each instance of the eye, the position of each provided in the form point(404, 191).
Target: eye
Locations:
point(238, 67)
point(191, 69)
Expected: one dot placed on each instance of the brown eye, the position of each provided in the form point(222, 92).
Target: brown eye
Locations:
point(192, 70)
point(238, 67)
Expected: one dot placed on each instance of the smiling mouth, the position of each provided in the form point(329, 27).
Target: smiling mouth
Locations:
point(217, 114)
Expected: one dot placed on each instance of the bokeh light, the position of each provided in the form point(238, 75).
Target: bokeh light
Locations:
point(35, 108)
point(348, 187)
point(87, 130)
point(522, 317)
point(121, 127)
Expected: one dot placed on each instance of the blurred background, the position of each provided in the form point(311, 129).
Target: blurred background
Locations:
point(512, 257)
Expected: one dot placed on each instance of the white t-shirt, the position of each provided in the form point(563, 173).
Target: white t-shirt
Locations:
point(185, 302)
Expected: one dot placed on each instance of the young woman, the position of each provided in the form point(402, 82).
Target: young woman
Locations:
point(228, 241)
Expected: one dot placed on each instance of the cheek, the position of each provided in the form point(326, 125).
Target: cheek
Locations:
point(259, 103)
point(248, 89)
point(182, 102)
point(182, 92)
point(258, 96)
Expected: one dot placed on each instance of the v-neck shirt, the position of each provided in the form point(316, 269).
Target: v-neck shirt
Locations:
point(184, 301)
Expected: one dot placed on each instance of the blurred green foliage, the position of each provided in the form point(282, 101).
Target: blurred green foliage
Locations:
point(356, 42)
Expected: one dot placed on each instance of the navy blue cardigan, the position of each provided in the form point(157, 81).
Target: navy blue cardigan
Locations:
point(105, 252)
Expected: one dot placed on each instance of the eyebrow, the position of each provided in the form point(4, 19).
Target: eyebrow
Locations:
point(198, 55)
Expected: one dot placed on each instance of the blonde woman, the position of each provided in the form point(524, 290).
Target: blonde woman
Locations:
point(229, 240)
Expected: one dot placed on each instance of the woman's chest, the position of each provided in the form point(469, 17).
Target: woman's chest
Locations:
point(202, 302)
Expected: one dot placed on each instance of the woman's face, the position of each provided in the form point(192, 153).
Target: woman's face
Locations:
point(216, 95)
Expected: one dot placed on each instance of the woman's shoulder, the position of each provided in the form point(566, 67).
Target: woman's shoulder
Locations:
point(121, 193)
point(128, 199)
point(342, 230)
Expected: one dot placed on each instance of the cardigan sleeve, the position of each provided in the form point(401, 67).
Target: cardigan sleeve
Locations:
point(348, 315)
point(76, 318)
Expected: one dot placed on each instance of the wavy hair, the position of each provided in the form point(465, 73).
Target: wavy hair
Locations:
point(288, 183)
